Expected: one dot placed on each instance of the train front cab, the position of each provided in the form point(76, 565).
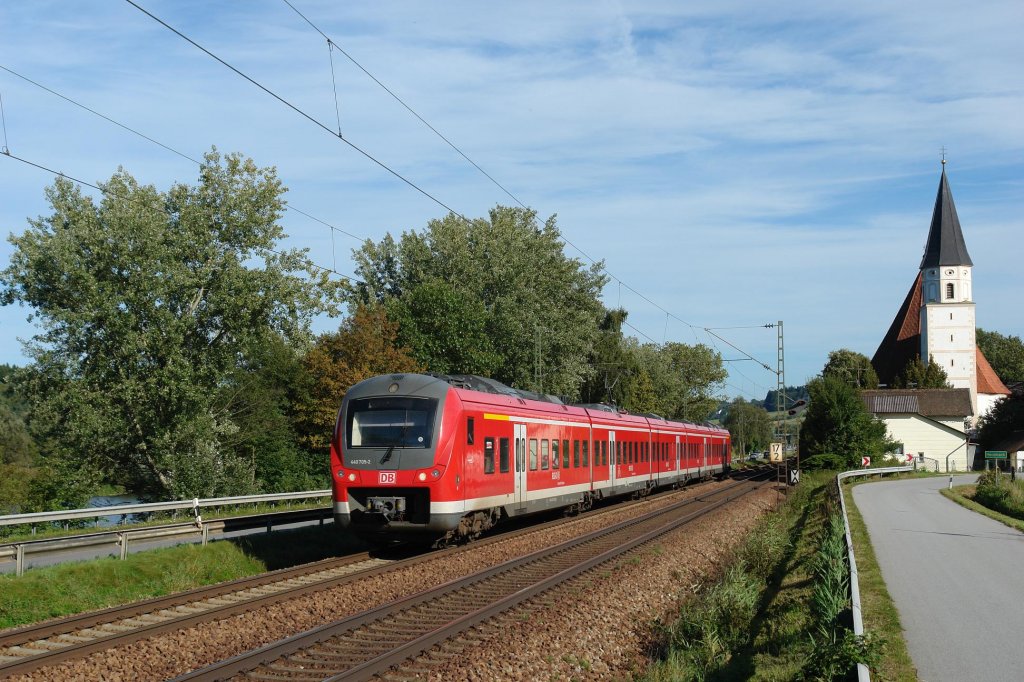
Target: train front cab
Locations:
point(392, 469)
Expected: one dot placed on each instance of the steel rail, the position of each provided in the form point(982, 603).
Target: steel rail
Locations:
point(382, 619)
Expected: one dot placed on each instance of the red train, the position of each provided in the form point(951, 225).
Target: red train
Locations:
point(452, 455)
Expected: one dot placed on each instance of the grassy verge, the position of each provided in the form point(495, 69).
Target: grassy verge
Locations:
point(89, 585)
point(777, 612)
point(964, 496)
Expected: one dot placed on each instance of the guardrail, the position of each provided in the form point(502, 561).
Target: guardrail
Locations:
point(122, 537)
point(863, 674)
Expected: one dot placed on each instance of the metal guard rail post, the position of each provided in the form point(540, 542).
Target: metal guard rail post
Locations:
point(863, 674)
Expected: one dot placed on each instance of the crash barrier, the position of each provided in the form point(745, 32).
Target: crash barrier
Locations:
point(123, 536)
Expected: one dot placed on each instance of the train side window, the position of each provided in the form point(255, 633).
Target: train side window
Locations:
point(576, 453)
point(543, 453)
point(533, 454)
point(565, 453)
point(554, 453)
point(469, 433)
point(488, 455)
point(503, 456)
point(586, 446)
point(604, 453)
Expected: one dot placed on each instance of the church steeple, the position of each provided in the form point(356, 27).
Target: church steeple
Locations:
point(945, 244)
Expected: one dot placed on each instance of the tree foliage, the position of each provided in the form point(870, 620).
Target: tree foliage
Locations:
point(749, 425)
point(917, 374)
point(852, 367)
point(150, 303)
point(482, 296)
point(838, 422)
point(793, 394)
point(1005, 418)
point(1004, 353)
point(365, 345)
point(684, 379)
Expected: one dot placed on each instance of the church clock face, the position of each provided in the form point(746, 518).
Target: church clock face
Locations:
point(949, 272)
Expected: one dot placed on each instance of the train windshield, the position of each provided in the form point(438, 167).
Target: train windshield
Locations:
point(391, 421)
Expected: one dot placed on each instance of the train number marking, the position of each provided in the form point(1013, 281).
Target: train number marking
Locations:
point(387, 477)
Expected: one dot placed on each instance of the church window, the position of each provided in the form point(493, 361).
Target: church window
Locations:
point(949, 290)
point(951, 338)
point(951, 363)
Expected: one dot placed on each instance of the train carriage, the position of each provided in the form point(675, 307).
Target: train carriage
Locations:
point(452, 455)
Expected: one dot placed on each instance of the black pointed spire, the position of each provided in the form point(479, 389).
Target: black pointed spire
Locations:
point(945, 239)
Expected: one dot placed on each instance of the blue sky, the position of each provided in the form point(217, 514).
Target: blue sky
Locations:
point(737, 163)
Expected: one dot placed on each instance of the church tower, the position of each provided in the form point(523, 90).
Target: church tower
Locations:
point(947, 307)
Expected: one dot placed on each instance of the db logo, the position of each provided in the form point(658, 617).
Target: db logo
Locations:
point(387, 477)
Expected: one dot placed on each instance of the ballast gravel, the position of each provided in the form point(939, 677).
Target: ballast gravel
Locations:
point(595, 628)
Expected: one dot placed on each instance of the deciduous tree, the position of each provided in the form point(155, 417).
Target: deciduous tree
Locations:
point(749, 425)
point(365, 345)
point(838, 423)
point(852, 367)
point(149, 301)
point(916, 374)
point(505, 284)
point(1004, 353)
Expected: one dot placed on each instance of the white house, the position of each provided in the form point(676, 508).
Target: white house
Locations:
point(929, 422)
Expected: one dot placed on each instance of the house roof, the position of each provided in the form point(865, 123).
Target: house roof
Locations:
point(988, 380)
point(902, 343)
point(927, 402)
point(945, 245)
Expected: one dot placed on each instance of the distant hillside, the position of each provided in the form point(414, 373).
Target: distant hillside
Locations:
point(792, 393)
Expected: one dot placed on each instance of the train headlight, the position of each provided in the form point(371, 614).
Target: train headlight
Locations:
point(422, 476)
point(352, 477)
point(435, 473)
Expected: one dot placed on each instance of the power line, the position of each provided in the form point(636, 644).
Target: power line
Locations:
point(108, 192)
point(297, 110)
point(398, 99)
point(158, 143)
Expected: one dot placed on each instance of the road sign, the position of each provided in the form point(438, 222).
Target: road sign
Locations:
point(865, 461)
point(775, 452)
point(995, 454)
point(794, 476)
point(910, 457)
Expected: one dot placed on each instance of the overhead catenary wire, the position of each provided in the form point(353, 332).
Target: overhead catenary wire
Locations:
point(395, 173)
point(178, 152)
point(3, 117)
point(107, 192)
point(473, 163)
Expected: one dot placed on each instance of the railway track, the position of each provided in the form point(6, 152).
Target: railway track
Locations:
point(381, 639)
point(26, 649)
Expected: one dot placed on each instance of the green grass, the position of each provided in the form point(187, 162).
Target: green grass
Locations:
point(69, 588)
point(964, 496)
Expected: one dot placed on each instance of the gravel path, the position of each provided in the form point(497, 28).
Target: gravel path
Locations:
point(653, 583)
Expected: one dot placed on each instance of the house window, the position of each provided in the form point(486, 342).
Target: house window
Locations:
point(949, 290)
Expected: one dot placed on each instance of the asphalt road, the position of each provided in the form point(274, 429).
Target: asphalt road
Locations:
point(952, 574)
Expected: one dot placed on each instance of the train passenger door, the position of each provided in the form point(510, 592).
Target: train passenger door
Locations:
point(520, 474)
point(679, 467)
point(611, 458)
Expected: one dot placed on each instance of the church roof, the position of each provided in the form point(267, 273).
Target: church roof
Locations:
point(988, 380)
point(927, 402)
point(945, 244)
point(902, 343)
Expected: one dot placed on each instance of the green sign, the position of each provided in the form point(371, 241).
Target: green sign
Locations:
point(995, 454)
